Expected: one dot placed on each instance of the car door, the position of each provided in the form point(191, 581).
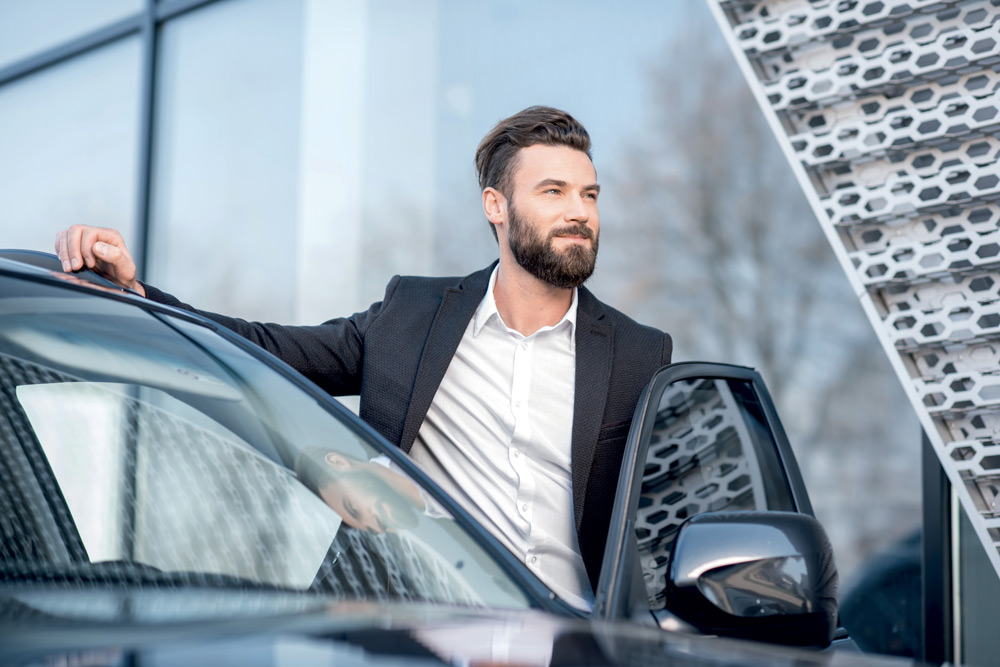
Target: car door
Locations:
point(705, 437)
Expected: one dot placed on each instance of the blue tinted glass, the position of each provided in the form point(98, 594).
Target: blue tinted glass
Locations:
point(68, 147)
point(29, 27)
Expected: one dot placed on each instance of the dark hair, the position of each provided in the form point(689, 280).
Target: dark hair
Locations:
point(313, 470)
point(495, 157)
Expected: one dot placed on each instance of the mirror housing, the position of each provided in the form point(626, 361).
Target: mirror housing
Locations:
point(768, 576)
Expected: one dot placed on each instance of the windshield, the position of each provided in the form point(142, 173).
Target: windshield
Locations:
point(137, 448)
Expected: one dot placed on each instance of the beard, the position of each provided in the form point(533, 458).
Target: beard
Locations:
point(535, 254)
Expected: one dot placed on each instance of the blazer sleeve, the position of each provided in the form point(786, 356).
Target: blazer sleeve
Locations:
point(330, 354)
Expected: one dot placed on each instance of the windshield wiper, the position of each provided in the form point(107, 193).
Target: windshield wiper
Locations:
point(128, 573)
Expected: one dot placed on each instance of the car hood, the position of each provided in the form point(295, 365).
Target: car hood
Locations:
point(107, 627)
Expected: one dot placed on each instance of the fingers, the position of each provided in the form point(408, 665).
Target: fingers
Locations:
point(83, 246)
point(88, 237)
point(68, 248)
point(63, 250)
point(106, 252)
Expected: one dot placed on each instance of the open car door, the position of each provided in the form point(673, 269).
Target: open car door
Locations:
point(706, 439)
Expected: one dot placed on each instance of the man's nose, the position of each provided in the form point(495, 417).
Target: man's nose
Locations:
point(576, 210)
point(374, 524)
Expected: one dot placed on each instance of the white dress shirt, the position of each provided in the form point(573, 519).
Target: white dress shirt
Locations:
point(497, 439)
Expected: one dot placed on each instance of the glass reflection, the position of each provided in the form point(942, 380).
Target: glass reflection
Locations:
point(709, 450)
point(764, 587)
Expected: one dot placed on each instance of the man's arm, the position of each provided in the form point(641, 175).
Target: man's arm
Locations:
point(330, 354)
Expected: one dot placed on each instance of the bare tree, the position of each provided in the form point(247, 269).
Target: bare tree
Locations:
point(731, 246)
point(723, 250)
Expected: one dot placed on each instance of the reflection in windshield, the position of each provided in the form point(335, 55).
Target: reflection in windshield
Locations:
point(134, 438)
point(366, 495)
point(197, 495)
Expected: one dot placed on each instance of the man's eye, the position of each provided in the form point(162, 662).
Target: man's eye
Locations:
point(351, 509)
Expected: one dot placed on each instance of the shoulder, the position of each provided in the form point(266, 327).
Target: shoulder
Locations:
point(435, 286)
point(628, 334)
point(594, 308)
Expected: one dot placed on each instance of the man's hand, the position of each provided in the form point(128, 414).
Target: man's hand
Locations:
point(102, 250)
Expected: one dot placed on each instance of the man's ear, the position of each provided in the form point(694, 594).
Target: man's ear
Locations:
point(337, 461)
point(495, 206)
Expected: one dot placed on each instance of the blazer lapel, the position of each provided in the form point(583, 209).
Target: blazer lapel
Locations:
point(593, 375)
point(457, 307)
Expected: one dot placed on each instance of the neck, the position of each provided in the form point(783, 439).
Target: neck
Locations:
point(525, 303)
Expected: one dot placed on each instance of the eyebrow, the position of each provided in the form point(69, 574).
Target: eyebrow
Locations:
point(593, 187)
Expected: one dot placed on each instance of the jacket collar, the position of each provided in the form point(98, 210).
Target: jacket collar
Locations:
point(458, 305)
point(594, 347)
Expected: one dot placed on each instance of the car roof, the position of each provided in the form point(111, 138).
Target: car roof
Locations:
point(32, 262)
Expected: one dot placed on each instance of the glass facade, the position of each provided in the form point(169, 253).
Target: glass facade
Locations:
point(352, 127)
point(27, 28)
point(977, 642)
point(69, 147)
point(226, 158)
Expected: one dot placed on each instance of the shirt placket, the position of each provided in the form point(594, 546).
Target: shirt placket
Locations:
point(520, 453)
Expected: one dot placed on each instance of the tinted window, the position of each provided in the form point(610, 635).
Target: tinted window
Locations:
point(710, 449)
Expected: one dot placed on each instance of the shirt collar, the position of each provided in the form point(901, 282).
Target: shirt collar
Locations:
point(488, 308)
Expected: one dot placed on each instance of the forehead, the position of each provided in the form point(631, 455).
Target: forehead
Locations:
point(541, 162)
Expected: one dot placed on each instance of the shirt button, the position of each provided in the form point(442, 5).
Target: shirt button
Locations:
point(534, 559)
point(524, 346)
point(524, 508)
point(517, 404)
point(516, 453)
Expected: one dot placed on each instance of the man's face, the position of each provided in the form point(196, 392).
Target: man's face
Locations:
point(361, 502)
point(363, 498)
point(552, 220)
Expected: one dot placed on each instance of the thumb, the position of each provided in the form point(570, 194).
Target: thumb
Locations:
point(106, 251)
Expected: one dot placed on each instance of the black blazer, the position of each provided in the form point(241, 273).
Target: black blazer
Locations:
point(396, 353)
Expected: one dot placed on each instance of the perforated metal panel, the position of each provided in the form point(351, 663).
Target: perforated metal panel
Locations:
point(889, 113)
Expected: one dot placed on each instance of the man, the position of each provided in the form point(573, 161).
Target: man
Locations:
point(513, 387)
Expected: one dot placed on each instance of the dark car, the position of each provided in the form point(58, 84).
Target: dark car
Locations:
point(170, 494)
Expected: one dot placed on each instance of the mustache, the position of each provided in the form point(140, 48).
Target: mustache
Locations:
point(573, 230)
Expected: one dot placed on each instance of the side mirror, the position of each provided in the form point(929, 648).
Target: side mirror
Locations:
point(768, 576)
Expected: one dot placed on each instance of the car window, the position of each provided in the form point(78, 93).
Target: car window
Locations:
point(197, 494)
point(710, 448)
point(139, 447)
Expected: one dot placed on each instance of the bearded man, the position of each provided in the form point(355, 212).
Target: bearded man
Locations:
point(513, 387)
